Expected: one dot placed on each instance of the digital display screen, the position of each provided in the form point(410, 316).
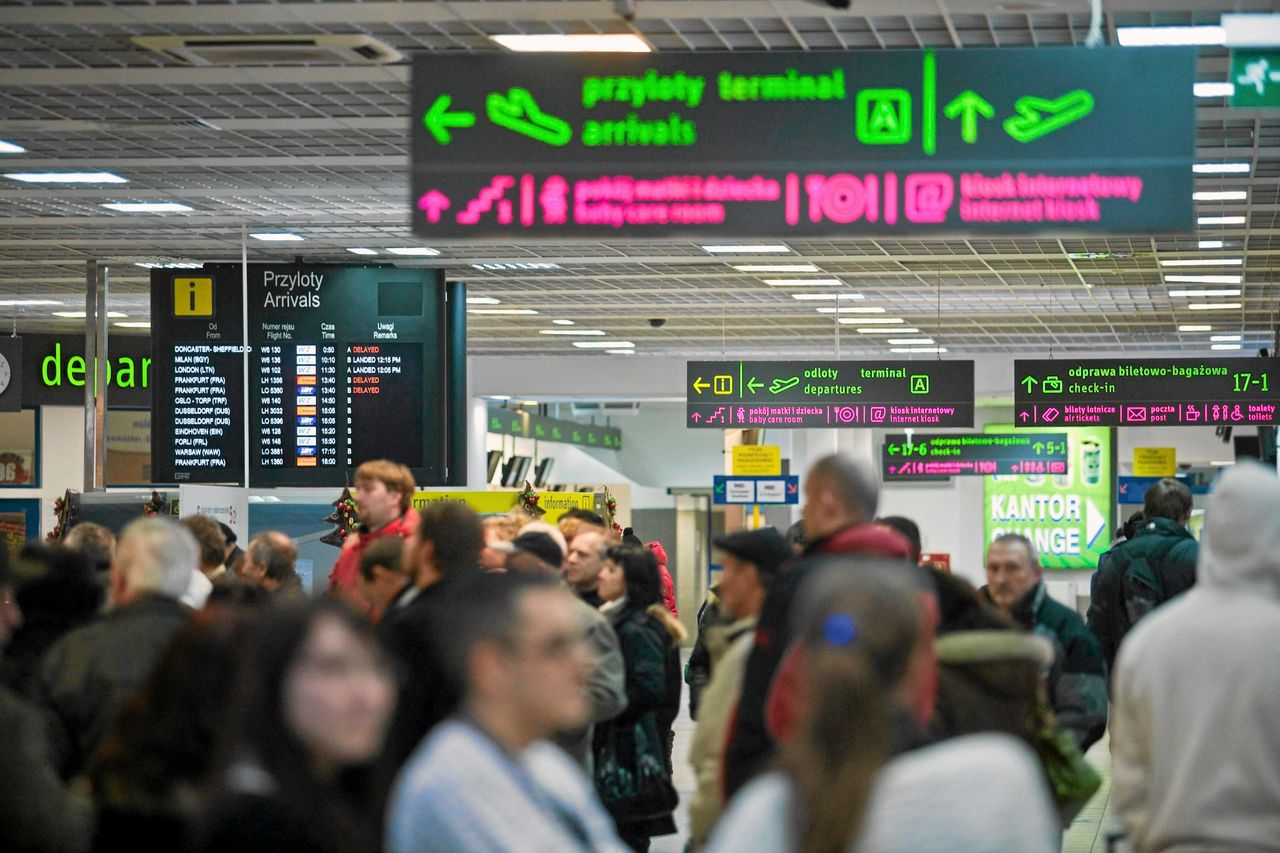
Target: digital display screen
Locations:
point(344, 366)
point(1147, 392)
point(835, 143)
point(825, 393)
point(197, 374)
point(904, 457)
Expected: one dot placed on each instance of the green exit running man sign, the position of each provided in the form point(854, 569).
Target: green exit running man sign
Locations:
point(1052, 140)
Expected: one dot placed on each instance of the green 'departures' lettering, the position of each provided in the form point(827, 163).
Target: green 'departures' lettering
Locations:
point(788, 86)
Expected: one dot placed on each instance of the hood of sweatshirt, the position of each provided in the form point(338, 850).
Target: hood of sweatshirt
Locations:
point(1240, 546)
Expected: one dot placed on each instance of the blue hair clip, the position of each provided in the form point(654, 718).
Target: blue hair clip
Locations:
point(839, 630)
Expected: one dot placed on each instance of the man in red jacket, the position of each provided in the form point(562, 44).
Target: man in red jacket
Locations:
point(383, 491)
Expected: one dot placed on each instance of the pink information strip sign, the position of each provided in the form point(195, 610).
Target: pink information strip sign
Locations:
point(802, 416)
point(1147, 392)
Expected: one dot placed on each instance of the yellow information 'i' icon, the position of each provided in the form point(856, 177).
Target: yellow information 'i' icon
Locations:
point(193, 297)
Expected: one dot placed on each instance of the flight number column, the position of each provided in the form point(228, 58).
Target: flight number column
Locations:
point(271, 407)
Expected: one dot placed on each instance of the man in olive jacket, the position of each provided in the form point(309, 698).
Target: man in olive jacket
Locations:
point(1140, 574)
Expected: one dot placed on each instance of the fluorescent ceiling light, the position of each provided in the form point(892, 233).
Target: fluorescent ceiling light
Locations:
point(79, 315)
point(169, 265)
point(1221, 338)
point(522, 312)
point(766, 249)
point(363, 251)
point(1193, 328)
point(520, 265)
point(1251, 30)
point(276, 237)
point(1224, 346)
point(917, 349)
point(66, 177)
point(1203, 262)
point(803, 282)
point(11, 148)
point(888, 321)
point(1222, 464)
point(483, 300)
point(500, 397)
point(1214, 90)
point(1207, 306)
point(1220, 220)
point(148, 207)
point(1210, 244)
point(620, 351)
point(901, 341)
point(1228, 291)
point(603, 344)
point(562, 322)
point(827, 296)
point(574, 43)
point(1205, 279)
point(585, 332)
point(134, 324)
point(27, 302)
point(1220, 195)
point(851, 309)
point(1221, 168)
point(1210, 34)
point(775, 267)
point(424, 251)
point(897, 330)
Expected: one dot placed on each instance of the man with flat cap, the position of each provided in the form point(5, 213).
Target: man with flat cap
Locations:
point(750, 561)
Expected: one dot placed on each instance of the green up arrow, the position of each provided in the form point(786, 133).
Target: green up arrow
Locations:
point(968, 105)
point(754, 384)
point(1038, 447)
point(438, 119)
point(1030, 382)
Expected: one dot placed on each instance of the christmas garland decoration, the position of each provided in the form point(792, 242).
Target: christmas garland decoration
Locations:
point(60, 511)
point(528, 499)
point(345, 515)
point(153, 505)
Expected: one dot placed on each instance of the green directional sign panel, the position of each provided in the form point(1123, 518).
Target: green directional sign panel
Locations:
point(825, 393)
point(928, 456)
point(1256, 75)
point(1066, 515)
point(1146, 392)
point(825, 143)
point(542, 428)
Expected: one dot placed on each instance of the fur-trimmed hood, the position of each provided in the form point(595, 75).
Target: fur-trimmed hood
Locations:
point(674, 628)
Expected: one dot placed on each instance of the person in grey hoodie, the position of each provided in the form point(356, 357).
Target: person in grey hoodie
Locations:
point(1196, 748)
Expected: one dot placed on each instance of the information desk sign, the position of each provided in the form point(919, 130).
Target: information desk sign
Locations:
point(905, 457)
point(1146, 392)
point(730, 489)
point(822, 393)
point(827, 143)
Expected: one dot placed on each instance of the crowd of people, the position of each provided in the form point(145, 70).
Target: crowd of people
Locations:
point(506, 684)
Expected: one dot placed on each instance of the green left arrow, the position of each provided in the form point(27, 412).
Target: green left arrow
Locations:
point(754, 384)
point(438, 119)
point(967, 106)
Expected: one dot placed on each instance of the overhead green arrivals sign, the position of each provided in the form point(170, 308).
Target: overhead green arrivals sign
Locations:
point(1051, 140)
point(823, 393)
point(542, 428)
point(1067, 515)
point(1256, 76)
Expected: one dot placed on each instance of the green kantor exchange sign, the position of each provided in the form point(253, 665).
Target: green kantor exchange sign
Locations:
point(1052, 140)
point(1067, 515)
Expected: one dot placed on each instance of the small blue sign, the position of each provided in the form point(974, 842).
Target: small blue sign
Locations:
point(756, 490)
point(1130, 490)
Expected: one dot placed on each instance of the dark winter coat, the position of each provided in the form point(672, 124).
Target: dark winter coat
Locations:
point(649, 639)
point(1137, 576)
point(87, 675)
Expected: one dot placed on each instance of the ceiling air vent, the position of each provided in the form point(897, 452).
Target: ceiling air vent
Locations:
point(272, 50)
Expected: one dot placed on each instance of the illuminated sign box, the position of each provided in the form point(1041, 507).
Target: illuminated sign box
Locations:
point(1066, 515)
point(921, 456)
point(1146, 392)
point(1050, 140)
point(823, 393)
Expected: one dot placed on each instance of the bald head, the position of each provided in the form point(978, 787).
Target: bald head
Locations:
point(838, 492)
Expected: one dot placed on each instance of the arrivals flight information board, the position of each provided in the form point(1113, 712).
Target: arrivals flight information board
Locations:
point(1146, 392)
point(345, 365)
point(904, 457)
point(821, 393)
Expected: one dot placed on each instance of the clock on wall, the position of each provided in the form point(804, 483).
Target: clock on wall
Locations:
point(6, 373)
point(10, 374)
